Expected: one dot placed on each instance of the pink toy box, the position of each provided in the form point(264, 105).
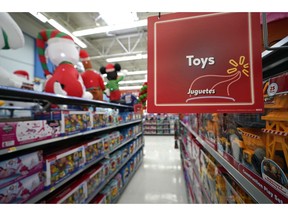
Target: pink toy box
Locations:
point(19, 133)
point(76, 193)
point(23, 190)
point(94, 149)
point(17, 168)
point(62, 164)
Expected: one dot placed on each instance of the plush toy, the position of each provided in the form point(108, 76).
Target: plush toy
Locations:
point(143, 95)
point(92, 79)
point(112, 86)
point(11, 37)
point(62, 52)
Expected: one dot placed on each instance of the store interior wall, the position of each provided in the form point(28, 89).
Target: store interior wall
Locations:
point(19, 59)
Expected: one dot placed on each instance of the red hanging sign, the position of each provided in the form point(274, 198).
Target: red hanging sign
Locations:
point(204, 63)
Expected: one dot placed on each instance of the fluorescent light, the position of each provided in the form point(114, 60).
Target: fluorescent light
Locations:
point(132, 81)
point(56, 25)
point(130, 87)
point(127, 58)
point(105, 29)
point(129, 73)
point(124, 18)
point(40, 16)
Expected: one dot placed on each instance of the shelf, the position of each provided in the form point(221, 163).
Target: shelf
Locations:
point(126, 184)
point(276, 61)
point(46, 192)
point(45, 142)
point(257, 195)
point(106, 181)
point(24, 95)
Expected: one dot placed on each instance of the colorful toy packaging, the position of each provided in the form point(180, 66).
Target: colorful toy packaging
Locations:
point(114, 190)
point(17, 168)
point(94, 149)
point(76, 193)
point(106, 168)
point(125, 172)
point(94, 178)
point(23, 190)
point(62, 164)
point(19, 133)
point(99, 118)
point(107, 193)
point(114, 139)
point(75, 121)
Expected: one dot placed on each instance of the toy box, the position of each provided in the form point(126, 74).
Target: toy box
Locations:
point(125, 172)
point(75, 121)
point(99, 199)
point(76, 193)
point(106, 168)
point(114, 188)
point(112, 117)
point(125, 153)
point(94, 178)
point(17, 168)
point(62, 164)
point(23, 190)
point(114, 139)
point(94, 149)
point(131, 165)
point(118, 177)
point(23, 132)
point(106, 143)
point(107, 193)
point(99, 118)
point(208, 173)
point(113, 162)
point(126, 133)
point(118, 156)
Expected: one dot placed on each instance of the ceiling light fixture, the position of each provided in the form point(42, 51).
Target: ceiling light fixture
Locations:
point(125, 18)
point(40, 16)
point(129, 73)
point(130, 87)
point(105, 29)
point(127, 58)
point(56, 25)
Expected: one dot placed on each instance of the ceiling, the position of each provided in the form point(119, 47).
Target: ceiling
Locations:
point(99, 46)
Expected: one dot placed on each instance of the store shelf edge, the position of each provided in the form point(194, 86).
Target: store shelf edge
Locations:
point(257, 195)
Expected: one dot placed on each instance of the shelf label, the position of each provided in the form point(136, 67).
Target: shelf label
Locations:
point(263, 186)
point(11, 149)
point(205, 63)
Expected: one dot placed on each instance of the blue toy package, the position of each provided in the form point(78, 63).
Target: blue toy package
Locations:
point(125, 172)
point(106, 168)
point(114, 190)
point(129, 99)
point(100, 118)
point(107, 193)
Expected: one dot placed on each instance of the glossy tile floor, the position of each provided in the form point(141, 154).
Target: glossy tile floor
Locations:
point(160, 178)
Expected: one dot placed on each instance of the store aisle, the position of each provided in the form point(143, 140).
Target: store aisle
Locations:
point(160, 178)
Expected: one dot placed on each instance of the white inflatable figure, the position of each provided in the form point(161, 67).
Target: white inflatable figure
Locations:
point(11, 37)
point(63, 53)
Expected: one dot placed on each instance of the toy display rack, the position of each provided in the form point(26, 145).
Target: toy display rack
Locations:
point(256, 194)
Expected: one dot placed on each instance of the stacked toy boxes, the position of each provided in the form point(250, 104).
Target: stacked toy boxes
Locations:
point(23, 132)
point(62, 164)
point(21, 178)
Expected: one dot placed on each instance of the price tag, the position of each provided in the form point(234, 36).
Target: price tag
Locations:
point(12, 149)
point(52, 189)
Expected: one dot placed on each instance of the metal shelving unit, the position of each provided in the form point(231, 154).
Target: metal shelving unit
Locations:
point(14, 94)
point(46, 99)
point(45, 142)
point(106, 181)
point(257, 195)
